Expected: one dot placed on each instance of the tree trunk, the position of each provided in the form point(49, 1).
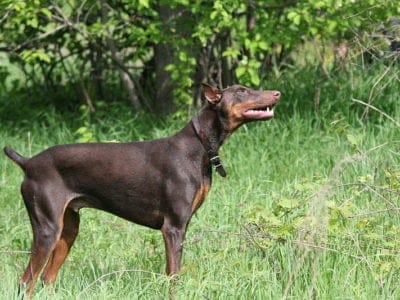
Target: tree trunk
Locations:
point(163, 56)
point(126, 77)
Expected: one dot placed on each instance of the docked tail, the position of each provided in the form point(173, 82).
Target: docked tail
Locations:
point(17, 158)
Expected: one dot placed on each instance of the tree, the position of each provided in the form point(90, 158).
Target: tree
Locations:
point(155, 54)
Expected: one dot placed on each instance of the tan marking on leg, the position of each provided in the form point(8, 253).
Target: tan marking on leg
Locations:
point(200, 196)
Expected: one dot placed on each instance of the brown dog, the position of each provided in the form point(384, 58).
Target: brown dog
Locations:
point(158, 183)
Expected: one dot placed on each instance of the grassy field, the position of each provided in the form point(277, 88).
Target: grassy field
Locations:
point(310, 207)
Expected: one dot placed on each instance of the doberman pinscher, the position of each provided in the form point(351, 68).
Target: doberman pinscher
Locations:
point(158, 183)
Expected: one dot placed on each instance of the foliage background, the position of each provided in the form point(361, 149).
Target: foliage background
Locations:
point(156, 54)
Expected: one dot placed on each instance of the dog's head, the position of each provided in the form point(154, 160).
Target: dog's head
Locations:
point(241, 104)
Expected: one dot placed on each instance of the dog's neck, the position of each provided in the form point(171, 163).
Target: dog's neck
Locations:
point(212, 130)
point(214, 124)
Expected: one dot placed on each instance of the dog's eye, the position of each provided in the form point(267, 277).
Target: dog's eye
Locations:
point(242, 91)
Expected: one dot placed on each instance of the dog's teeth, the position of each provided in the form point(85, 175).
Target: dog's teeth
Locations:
point(268, 109)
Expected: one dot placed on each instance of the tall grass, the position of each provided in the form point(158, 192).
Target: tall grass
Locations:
point(310, 207)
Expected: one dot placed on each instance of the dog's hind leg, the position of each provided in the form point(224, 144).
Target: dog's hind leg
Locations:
point(45, 211)
point(69, 232)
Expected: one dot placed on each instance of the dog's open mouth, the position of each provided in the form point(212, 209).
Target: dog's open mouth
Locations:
point(262, 112)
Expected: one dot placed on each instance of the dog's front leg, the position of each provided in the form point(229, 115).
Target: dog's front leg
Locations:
point(173, 238)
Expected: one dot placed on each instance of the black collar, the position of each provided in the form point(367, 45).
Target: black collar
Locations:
point(212, 153)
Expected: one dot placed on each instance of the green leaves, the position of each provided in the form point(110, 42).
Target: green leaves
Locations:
point(355, 141)
point(230, 41)
point(33, 56)
point(247, 71)
point(144, 3)
point(294, 17)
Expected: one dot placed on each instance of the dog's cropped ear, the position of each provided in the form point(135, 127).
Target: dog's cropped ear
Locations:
point(212, 94)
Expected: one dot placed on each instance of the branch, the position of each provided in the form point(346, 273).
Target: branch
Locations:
point(5, 16)
point(378, 110)
point(39, 37)
point(283, 4)
point(15, 251)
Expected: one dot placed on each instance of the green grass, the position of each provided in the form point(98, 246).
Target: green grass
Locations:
point(310, 209)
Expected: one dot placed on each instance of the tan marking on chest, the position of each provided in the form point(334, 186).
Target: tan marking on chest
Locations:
point(200, 196)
